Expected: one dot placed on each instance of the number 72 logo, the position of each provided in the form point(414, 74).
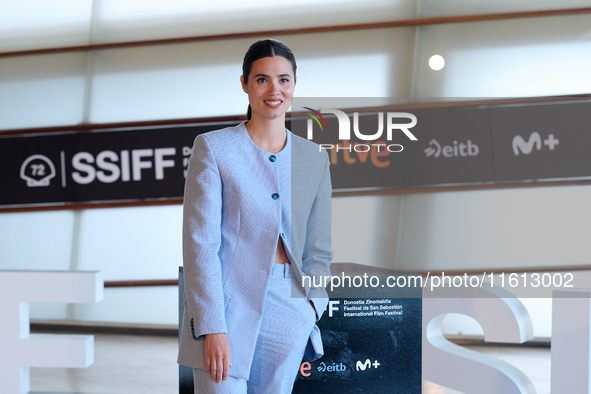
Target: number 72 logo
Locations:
point(37, 170)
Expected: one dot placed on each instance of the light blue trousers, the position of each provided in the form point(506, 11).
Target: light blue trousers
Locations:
point(283, 335)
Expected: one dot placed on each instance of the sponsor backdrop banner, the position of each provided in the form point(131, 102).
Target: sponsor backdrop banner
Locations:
point(371, 345)
point(97, 166)
point(426, 147)
point(452, 146)
point(542, 142)
point(371, 337)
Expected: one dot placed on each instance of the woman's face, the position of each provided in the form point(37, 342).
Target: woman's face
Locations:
point(270, 87)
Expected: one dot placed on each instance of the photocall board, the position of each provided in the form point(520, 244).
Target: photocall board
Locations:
point(371, 334)
point(395, 149)
point(371, 345)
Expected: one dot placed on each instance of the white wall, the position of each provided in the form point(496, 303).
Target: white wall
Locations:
point(496, 228)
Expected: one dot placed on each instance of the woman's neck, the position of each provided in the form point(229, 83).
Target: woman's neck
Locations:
point(268, 134)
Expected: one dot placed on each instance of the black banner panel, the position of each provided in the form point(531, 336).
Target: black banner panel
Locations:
point(415, 148)
point(97, 166)
point(549, 141)
point(453, 146)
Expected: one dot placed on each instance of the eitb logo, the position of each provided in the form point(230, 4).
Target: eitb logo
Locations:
point(344, 131)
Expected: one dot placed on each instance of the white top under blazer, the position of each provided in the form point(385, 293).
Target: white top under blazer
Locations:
point(239, 201)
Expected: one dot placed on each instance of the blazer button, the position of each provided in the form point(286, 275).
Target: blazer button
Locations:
point(274, 196)
point(272, 158)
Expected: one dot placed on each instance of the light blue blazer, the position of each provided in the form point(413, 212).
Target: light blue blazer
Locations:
point(239, 201)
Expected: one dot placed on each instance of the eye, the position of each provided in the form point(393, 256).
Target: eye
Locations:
point(261, 79)
point(285, 80)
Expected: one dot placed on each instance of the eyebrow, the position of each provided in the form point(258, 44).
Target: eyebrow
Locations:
point(267, 76)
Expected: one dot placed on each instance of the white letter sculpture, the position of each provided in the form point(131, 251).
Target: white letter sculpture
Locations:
point(503, 319)
point(571, 341)
point(19, 349)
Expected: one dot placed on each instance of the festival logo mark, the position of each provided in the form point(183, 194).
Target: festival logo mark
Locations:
point(37, 170)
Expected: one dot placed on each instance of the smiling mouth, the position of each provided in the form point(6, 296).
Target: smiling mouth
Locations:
point(273, 103)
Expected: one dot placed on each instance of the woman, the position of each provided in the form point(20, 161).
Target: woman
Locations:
point(256, 214)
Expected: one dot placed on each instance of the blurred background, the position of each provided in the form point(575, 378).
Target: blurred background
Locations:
point(55, 71)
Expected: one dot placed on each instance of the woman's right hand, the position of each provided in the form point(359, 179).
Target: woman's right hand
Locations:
point(218, 359)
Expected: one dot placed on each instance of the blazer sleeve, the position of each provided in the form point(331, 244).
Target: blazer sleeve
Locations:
point(317, 251)
point(202, 220)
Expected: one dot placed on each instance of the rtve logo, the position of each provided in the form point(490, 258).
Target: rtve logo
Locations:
point(345, 128)
point(535, 140)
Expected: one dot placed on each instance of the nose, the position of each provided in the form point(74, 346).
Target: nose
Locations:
point(274, 87)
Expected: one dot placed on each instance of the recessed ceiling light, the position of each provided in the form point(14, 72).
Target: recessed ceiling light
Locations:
point(436, 62)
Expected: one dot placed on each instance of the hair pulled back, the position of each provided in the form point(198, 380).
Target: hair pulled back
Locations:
point(268, 47)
